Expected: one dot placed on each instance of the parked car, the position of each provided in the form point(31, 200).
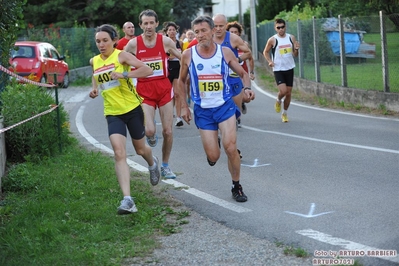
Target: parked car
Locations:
point(41, 61)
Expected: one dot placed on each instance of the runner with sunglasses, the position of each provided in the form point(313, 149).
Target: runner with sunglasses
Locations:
point(279, 52)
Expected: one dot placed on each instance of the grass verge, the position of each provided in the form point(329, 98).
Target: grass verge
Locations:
point(62, 211)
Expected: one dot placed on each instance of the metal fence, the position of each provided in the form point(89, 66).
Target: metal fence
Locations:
point(371, 51)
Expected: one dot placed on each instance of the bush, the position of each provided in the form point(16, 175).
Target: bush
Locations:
point(38, 137)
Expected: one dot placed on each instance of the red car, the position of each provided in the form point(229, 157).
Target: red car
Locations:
point(40, 60)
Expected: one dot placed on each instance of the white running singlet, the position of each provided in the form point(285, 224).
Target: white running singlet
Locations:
point(209, 85)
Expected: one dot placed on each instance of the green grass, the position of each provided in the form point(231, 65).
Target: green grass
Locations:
point(62, 211)
point(367, 74)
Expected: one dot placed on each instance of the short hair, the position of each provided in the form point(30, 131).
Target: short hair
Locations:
point(111, 30)
point(168, 24)
point(148, 13)
point(279, 21)
point(201, 19)
point(234, 24)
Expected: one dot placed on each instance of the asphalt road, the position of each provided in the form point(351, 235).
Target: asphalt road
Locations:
point(326, 181)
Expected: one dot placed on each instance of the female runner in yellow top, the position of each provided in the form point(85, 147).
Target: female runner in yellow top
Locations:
point(122, 107)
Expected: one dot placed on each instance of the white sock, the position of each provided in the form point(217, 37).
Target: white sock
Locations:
point(127, 197)
point(284, 111)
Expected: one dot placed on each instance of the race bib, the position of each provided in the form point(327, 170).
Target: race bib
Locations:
point(103, 78)
point(285, 50)
point(210, 86)
point(156, 65)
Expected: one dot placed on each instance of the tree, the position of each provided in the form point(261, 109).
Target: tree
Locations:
point(92, 13)
point(268, 9)
point(10, 22)
point(390, 7)
point(363, 8)
point(185, 11)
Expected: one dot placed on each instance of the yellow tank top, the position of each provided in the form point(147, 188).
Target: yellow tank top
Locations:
point(119, 95)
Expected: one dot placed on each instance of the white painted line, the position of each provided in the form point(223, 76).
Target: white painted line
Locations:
point(310, 214)
point(225, 204)
point(323, 141)
point(321, 109)
point(82, 130)
point(207, 197)
point(346, 244)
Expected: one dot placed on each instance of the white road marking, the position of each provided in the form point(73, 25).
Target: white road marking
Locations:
point(323, 141)
point(225, 204)
point(255, 164)
point(310, 214)
point(346, 244)
point(207, 197)
point(82, 130)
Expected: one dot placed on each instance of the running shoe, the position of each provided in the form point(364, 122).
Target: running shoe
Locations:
point(167, 173)
point(239, 123)
point(154, 173)
point(127, 207)
point(152, 141)
point(244, 108)
point(284, 118)
point(277, 107)
point(238, 194)
point(179, 122)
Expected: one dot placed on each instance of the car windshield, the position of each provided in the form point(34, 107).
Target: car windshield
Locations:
point(23, 52)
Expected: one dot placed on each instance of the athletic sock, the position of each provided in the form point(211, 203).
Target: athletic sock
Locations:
point(127, 197)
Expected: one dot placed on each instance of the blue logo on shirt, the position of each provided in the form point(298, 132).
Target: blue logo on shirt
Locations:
point(200, 66)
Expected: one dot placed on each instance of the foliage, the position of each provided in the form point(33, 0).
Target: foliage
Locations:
point(268, 9)
point(10, 22)
point(68, 216)
point(38, 137)
point(65, 13)
point(185, 11)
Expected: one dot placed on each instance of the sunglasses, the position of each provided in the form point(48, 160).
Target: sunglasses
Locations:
point(282, 27)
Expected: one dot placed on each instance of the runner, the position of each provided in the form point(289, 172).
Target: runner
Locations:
point(235, 43)
point(208, 64)
point(122, 108)
point(151, 47)
point(128, 29)
point(171, 29)
point(236, 28)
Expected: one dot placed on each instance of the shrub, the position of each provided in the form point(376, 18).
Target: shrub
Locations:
point(38, 137)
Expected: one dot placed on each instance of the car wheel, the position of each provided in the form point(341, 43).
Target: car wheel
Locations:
point(65, 83)
point(43, 79)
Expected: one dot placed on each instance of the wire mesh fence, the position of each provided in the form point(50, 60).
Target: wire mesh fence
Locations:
point(363, 64)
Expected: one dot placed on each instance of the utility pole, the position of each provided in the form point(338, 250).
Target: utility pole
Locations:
point(254, 38)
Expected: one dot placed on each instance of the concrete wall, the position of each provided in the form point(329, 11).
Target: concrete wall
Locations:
point(371, 99)
point(83, 72)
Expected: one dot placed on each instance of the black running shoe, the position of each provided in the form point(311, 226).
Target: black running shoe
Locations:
point(238, 194)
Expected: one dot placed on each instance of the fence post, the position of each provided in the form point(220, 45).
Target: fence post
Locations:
point(384, 53)
point(316, 50)
point(300, 58)
point(342, 52)
point(58, 113)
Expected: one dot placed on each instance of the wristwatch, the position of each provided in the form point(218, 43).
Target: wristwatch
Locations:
point(124, 75)
point(251, 72)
